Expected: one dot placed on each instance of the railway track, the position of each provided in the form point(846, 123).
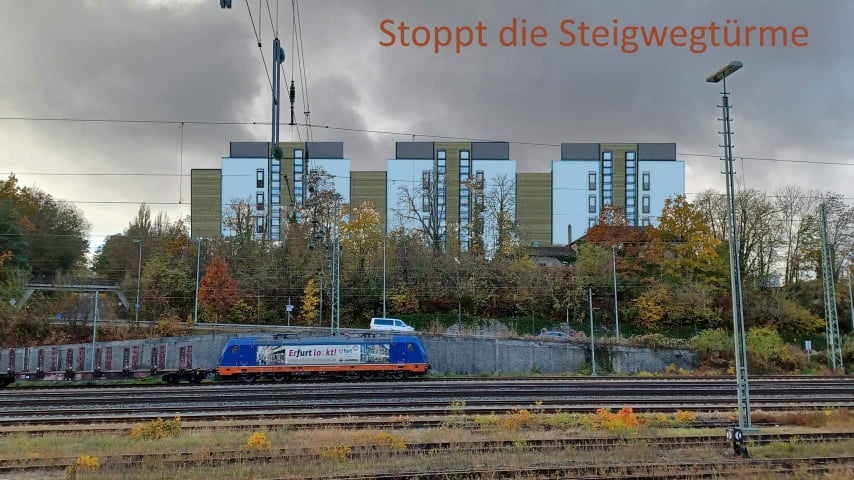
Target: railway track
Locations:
point(177, 460)
point(331, 400)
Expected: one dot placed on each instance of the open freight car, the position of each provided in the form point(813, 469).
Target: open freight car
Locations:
point(285, 358)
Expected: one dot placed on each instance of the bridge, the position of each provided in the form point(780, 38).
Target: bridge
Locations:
point(32, 287)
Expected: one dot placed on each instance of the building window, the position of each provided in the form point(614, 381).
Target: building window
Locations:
point(426, 180)
point(259, 178)
point(645, 181)
point(259, 224)
point(591, 180)
point(478, 177)
point(441, 155)
point(591, 204)
point(645, 204)
point(591, 222)
point(644, 221)
point(259, 201)
point(630, 201)
point(630, 156)
point(607, 156)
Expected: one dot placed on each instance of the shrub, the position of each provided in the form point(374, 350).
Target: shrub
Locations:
point(714, 345)
point(764, 347)
point(516, 419)
point(157, 429)
point(258, 441)
point(683, 417)
point(171, 326)
point(337, 452)
point(625, 419)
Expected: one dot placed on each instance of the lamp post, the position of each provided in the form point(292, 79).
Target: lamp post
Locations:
point(459, 296)
point(384, 295)
point(138, 278)
point(616, 308)
point(592, 345)
point(850, 297)
point(742, 384)
point(198, 265)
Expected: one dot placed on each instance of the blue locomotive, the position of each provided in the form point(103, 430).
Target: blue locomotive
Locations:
point(284, 358)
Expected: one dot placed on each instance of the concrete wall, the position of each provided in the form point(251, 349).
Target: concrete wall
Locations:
point(463, 355)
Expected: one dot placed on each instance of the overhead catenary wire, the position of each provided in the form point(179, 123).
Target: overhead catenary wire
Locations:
point(382, 132)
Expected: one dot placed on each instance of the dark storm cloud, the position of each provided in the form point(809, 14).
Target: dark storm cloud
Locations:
point(193, 61)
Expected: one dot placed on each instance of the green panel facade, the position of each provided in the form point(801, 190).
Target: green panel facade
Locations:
point(369, 187)
point(534, 207)
point(205, 202)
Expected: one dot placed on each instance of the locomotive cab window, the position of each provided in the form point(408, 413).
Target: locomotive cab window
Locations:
point(410, 346)
point(235, 349)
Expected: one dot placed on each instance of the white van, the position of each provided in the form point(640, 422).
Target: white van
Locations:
point(390, 324)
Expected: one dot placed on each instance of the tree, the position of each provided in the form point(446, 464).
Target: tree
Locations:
point(795, 209)
point(238, 219)
point(217, 290)
point(499, 206)
point(689, 245)
point(419, 207)
point(310, 299)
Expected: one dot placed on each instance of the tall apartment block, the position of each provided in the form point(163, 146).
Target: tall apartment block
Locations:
point(447, 185)
point(635, 177)
point(271, 186)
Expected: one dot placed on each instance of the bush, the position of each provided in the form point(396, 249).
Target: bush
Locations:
point(625, 419)
point(258, 441)
point(714, 345)
point(157, 429)
point(516, 419)
point(764, 348)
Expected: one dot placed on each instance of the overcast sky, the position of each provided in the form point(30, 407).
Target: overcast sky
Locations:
point(190, 61)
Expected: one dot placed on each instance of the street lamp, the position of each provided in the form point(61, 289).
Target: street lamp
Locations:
point(138, 278)
point(198, 265)
point(742, 385)
point(850, 297)
point(592, 345)
point(616, 308)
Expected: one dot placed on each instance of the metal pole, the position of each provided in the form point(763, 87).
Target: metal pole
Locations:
point(850, 297)
point(138, 278)
point(94, 330)
point(384, 281)
point(198, 265)
point(592, 345)
point(616, 307)
point(742, 384)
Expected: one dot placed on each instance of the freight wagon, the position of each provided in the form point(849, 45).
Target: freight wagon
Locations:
point(284, 358)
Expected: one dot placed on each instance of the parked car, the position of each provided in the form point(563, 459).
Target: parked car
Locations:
point(553, 334)
point(390, 324)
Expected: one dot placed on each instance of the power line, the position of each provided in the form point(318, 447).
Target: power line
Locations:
point(381, 132)
point(258, 39)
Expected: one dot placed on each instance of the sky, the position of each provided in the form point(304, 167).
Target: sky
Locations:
point(157, 63)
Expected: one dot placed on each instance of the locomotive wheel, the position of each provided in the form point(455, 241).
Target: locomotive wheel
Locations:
point(368, 375)
point(399, 375)
point(246, 378)
point(280, 377)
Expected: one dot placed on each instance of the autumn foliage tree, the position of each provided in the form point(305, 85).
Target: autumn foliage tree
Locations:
point(217, 290)
point(310, 300)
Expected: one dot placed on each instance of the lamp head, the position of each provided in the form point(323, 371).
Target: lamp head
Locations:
point(725, 71)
